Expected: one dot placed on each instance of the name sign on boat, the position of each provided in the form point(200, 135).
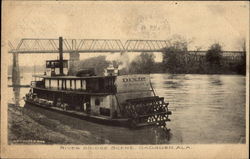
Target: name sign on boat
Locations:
point(131, 83)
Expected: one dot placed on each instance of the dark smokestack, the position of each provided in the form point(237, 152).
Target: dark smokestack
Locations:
point(61, 54)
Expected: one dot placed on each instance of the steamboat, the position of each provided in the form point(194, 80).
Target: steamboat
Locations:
point(113, 99)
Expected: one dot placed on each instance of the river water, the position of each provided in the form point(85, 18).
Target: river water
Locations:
point(205, 109)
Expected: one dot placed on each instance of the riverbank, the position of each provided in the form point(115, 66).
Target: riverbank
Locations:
point(29, 127)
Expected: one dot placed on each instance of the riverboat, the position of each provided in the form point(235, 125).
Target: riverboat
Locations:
point(113, 99)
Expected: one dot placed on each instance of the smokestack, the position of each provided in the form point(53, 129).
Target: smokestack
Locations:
point(61, 54)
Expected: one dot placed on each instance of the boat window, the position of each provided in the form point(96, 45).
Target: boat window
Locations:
point(60, 86)
point(46, 83)
point(97, 102)
point(67, 84)
point(57, 71)
point(64, 84)
point(78, 84)
point(54, 83)
point(48, 64)
point(57, 64)
point(53, 71)
point(83, 84)
point(65, 64)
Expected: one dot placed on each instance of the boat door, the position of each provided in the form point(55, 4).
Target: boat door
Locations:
point(86, 105)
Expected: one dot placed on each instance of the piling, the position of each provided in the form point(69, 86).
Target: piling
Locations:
point(61, 54)
point(16, 78)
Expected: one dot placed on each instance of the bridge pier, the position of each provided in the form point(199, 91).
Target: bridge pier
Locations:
point(16, 78)
point(74, 58)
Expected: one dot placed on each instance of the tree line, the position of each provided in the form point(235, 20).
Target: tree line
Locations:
point(177, 59)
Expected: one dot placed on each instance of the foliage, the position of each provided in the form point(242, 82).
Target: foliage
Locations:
point(142, 63)
point(214, 56)
point(98, 63)
point(241, 66)
point(173, 60)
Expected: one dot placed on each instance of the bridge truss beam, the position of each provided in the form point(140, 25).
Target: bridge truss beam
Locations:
point(29, 45)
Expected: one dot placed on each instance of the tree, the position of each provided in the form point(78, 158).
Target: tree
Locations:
point(173, 56)
point(214, 57)
point(242, 44)
point(99, 63)
point(172, 60)
point(142, 63)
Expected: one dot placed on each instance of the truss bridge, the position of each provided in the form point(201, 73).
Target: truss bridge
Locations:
point(31, 45)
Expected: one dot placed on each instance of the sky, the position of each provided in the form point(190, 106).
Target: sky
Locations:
point(201, 23)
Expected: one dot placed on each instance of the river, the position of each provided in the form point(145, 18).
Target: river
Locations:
point(205, 109)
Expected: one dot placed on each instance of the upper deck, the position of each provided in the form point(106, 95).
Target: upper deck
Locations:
point(72, 77)
point(93, 84)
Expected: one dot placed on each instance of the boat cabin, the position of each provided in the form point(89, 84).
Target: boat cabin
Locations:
point(86, 92)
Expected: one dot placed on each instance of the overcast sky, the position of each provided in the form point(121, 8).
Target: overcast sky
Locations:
point(202, 22)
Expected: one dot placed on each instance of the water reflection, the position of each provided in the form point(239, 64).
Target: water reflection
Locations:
point(215, 80)
point(162, 136)
point(172, 84)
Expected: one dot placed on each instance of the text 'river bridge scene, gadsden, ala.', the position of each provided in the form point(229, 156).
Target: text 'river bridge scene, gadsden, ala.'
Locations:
point(189, 97)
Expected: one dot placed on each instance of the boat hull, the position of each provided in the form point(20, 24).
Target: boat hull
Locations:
point(124, 122)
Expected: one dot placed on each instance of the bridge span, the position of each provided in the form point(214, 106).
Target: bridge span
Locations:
point(31, 45)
